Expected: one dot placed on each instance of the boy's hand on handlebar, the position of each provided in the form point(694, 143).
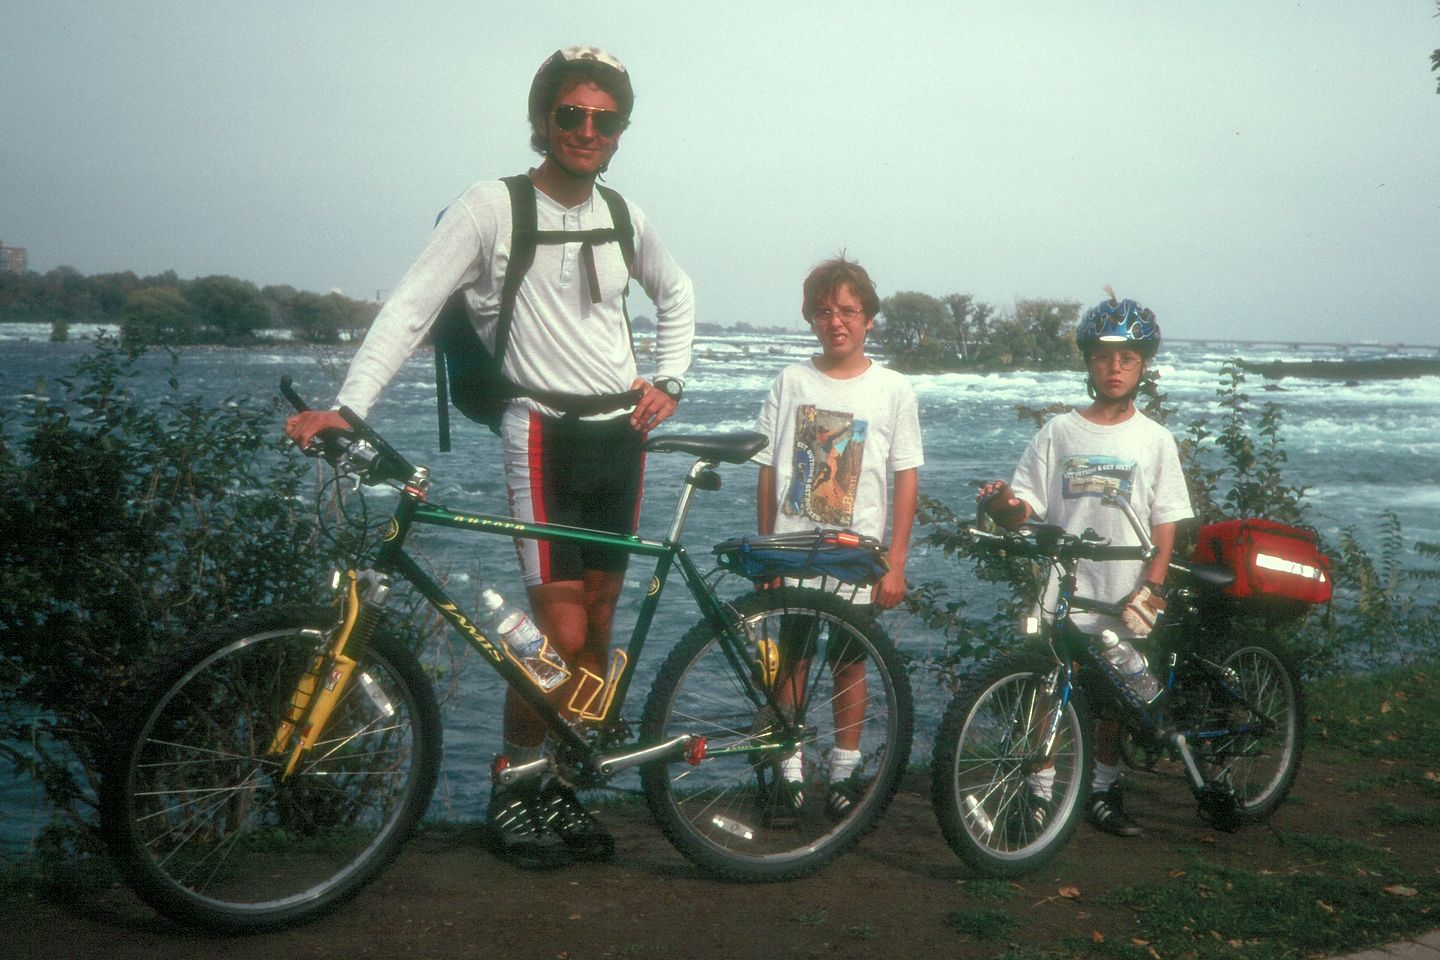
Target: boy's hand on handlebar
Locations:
point(999, 501)
point(1141, 609)
point(304, 427)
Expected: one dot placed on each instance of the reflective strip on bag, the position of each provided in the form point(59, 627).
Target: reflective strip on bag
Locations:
point(1281, 565)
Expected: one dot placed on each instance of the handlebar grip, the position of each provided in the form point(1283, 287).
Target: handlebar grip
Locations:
point(287, 390)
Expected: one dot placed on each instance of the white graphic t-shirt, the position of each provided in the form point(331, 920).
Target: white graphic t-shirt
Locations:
point(1069, 467)
point(834, 445)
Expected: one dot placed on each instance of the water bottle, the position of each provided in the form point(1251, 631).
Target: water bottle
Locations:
point(512, 627)
point(1130, 664)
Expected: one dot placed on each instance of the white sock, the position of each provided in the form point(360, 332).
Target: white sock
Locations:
point(792, 768)
point(1105, 777)
point(842, 763)
point(1042, 783)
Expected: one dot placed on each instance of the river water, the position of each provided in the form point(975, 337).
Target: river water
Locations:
point(1358, 448)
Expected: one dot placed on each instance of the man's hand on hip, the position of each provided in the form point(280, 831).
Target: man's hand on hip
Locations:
point(653, 408)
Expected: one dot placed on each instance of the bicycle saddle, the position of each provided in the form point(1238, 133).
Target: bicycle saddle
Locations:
point(734, 447)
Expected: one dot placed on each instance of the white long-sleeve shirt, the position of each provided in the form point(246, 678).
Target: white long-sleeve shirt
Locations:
point(559, 339)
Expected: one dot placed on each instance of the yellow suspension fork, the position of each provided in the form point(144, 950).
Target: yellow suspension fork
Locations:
point(319, 687)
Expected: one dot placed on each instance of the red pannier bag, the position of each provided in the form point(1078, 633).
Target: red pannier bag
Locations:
point(1271, 560)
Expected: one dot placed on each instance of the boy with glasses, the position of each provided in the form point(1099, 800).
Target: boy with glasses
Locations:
point(566, 335)
point(1066, 471)
point(842, 430)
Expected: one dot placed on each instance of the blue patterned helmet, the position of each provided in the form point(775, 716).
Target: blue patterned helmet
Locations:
point(1119, 321)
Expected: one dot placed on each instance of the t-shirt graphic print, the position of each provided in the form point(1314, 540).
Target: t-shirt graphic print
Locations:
point(1097, 476)
point(828, 452)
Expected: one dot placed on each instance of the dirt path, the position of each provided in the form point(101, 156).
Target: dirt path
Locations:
point(889, 898)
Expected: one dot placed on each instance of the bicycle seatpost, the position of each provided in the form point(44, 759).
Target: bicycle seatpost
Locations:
point(702, 476)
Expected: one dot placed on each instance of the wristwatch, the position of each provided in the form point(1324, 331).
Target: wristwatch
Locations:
point(671, 387)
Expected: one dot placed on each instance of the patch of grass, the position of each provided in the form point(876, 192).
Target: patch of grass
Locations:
point(864, 931)
point(986, 888)
point(812, 919)
point(1337, 854)
point(1389, 714)
point(62, 880)
point(1393, 815)
point(1367, 784)
point(983, 924)
point(1220, 912)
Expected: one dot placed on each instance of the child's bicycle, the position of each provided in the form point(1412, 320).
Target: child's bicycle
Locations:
point(282, 760)
point(1231, 710)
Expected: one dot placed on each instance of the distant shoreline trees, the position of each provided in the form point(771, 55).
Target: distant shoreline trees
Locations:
point(924, 334)
point(164, 309)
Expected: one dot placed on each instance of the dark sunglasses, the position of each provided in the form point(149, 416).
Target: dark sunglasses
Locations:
point(608, 123)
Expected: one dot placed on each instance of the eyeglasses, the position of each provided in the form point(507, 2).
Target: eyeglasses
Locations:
point(608, 123)
point(826, 314)
point(1127, 360)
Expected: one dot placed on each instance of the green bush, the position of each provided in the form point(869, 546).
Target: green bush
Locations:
point(128, 523)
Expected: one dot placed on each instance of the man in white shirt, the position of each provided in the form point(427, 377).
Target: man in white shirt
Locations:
point(569, 334)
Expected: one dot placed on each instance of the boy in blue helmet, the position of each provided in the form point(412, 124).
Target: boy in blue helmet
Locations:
point(1066, 471)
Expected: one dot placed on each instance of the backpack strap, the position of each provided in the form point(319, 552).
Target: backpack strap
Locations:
point(522, 254)
point(453, 330)
point(624, 227)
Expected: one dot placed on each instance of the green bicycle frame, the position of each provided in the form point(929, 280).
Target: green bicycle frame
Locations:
point(413, 510)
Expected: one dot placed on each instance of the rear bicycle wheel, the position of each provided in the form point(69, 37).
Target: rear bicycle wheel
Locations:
point(992, 811)
point(809, 675)
point(1250, 727)
point(194, 808)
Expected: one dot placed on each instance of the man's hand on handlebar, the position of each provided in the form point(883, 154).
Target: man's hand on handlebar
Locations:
point(999, 501)
point(303, 427)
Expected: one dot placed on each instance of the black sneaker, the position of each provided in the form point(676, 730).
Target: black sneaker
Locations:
point(842, 797)
point(516, 832)
point(581, 833)
point(1028, 817)
point(1107, 812)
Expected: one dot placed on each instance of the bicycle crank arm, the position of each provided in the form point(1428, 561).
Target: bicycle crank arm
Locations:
point(1197, 779)
point(508, 774)
point(680, 748)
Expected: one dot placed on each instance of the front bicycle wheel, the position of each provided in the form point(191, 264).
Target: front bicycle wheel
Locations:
point(1250, 728)
point(197, 813)
point(771, 799)
point(1007, 802)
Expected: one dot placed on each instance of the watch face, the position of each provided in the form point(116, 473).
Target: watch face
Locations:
point(672, 388)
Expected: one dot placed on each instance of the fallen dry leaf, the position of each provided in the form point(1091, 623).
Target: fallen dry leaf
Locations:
point(1385, 706)
point(1069, 893)
point(1324, 906)
point(1097, 936)
point(1399, 890)
point(1176, 874)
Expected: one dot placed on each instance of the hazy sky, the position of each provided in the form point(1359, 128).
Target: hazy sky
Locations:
point(1244, 167)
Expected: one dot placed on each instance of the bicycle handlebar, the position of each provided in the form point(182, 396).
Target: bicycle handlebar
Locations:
point(1050, 542)
point(1045, 541)
point(363, 452)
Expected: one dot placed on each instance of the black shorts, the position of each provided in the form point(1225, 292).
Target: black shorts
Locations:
point(799, 633)
point(580, 473)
